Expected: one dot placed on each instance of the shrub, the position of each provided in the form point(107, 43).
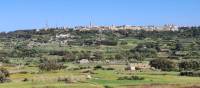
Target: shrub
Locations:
point(89, 71)
point(5, 72)
point(120, 57)
point(98, 67)
point(25, 80)
point(84, 55)
point(3, 75)
point(4, 60)
point(84, 67)
point(190, 73)
point(106, 86)
point(59, 53)
point(49, 65)
point(67, 80)
point(23, 72)
point(131, 78)
point(97, 56)
point(147, 50)
point(124, 43)
point(109, 42)
point(110, 68)
point(68, 57)
point(163, 64)
point(189, 65)
point(76, 68)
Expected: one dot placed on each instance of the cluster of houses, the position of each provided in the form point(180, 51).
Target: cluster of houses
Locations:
point(167, 27)
point(130, 66)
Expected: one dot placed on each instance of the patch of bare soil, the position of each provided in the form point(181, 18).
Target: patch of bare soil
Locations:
point(161, 86)
point(194, 86)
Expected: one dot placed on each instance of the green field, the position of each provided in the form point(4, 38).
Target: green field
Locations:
point(100, 78)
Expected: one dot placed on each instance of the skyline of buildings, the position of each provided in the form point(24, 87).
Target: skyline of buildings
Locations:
point(166, 27)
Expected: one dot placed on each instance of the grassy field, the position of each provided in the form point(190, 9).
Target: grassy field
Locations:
point(100, 78)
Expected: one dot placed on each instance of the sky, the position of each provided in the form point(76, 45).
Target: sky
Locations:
point(29, 14)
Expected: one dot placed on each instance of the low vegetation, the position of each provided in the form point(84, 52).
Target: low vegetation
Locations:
point(4, 74)
point(131, 78)
point(60, 58)
point(190, 73)
point(49, 65)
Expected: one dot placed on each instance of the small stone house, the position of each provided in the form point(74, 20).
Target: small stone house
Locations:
point(140, 66)
point(84, 61)
point(130, 67)
point(1, 64)
point(137, 66)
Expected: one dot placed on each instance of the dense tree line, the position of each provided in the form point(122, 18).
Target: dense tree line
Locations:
point(145, 50)
point(163, 64)
point(189, 65)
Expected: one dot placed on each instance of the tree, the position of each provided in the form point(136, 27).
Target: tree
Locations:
point(145, 50)
point(97, 56)
point(68, 57)
point(4, 60)
point(124, 43)
point(163, 64)
point(22, 50)
point(3, 75)
point(120, 57)
point(49, 65)
point(189, 65)
point(179, 46)
point(138, 56)
point(84, 55)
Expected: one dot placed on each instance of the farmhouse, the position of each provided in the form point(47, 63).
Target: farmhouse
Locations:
point(84, 61)
point(1, 64)
point(142, 66)
point(137, 66)
point(130, 67)
point(181, 53)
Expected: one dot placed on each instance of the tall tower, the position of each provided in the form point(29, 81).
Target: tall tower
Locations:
point(46, 25)
point(91, 25)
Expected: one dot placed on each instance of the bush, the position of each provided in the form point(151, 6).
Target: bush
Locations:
point(131, 78)
point(25, 80)
point(190, 73)
point(98, 67)
point(163, 64)
point(23, 72)
point(3, 75)
point(59, 53)
point(124, 43)
point(84, 55)
point(5, 72)
point(110, 68)
point(89, 71)
point(109, 42)
point(49, 65)
point(119, 57)
point(145, 50)
point(97, 56)
point(4, 60)
point(68, 57)
point(189, 65)
point(84, 67)
point(67, 80)
point(106, 86)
